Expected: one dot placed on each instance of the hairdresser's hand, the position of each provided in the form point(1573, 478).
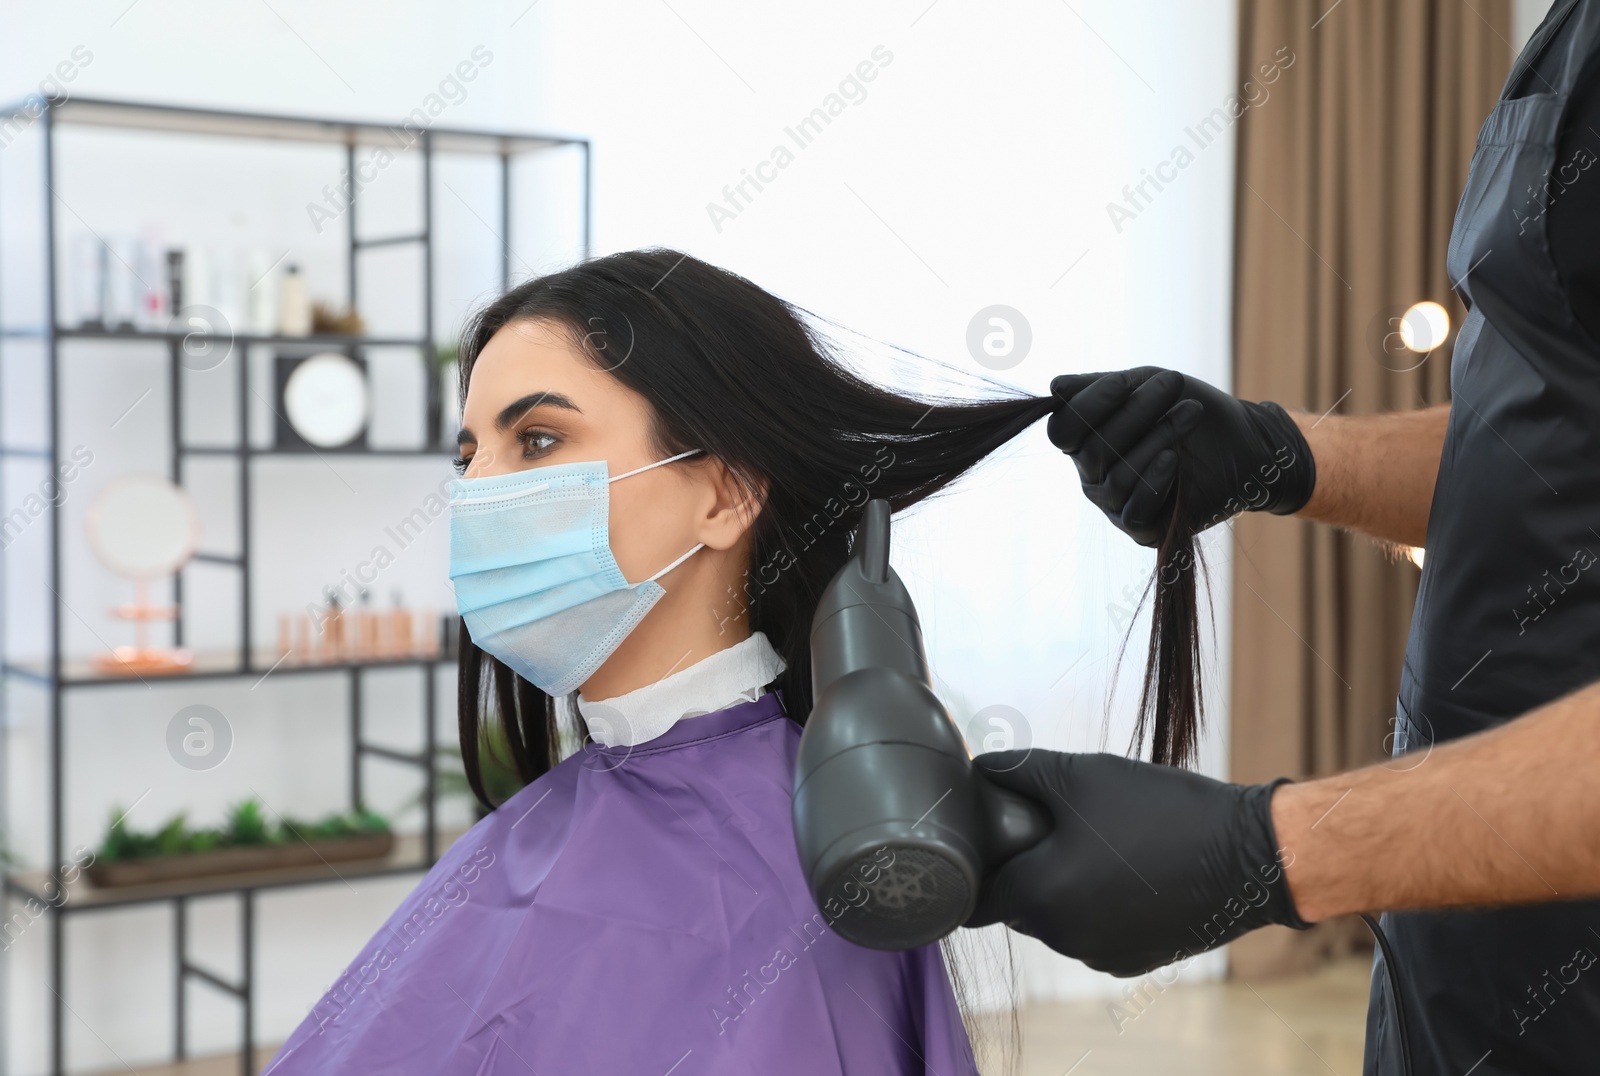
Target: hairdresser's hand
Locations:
point(1138, 435)
point(1146, 865)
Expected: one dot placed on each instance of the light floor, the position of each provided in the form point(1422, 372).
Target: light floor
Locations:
point(1300, 1026)
point(1312, 1024)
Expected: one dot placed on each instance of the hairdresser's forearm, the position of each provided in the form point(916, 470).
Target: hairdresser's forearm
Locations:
point(1507, 816)
point(1375, 473)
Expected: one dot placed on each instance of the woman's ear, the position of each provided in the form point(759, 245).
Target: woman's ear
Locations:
point(732, 506)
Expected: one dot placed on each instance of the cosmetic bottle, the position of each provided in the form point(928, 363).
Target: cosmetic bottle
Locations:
point(228, 289)
point(175, 293)
point(260, 286)
point(196, 277)
point(152, 292)
point(123, 291)
point(294, 305)
point(400, 632)
point(366, 629)
point(333, 631)
point(89, 258)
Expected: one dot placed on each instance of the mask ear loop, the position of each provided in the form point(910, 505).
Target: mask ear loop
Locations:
point(646, 467)
point(657, 463)
point(699, 546)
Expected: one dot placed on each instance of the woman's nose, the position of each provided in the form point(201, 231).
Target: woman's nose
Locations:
point(486, 463)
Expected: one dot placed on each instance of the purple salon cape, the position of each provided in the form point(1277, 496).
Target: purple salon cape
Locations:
point(634, 911)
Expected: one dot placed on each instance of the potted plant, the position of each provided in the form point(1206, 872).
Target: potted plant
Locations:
point(247, 841)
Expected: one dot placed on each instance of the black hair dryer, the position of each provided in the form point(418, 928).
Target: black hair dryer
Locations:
point(896, 829)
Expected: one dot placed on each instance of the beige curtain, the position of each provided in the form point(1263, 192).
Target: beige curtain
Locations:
point(1349, 174)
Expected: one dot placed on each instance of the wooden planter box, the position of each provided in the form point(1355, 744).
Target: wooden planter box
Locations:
point(239, 860)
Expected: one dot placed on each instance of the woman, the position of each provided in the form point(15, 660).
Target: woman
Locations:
point(638, 907)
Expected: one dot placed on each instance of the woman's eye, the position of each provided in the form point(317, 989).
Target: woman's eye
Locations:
point(535, 443)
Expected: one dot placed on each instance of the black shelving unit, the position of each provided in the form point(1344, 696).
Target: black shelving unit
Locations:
point(57, 676)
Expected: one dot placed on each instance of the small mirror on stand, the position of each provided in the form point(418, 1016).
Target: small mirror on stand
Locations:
point(143, 527)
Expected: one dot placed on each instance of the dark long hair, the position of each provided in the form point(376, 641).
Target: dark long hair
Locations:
point(732, 369)
point(1172, 699)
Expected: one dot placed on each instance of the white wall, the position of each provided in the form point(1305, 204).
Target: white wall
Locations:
point(1525, 18)
point(976, 170)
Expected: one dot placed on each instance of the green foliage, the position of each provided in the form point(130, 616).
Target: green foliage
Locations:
point(495, 765)
point(351, 824)
point(500, 778)
point(246, 826)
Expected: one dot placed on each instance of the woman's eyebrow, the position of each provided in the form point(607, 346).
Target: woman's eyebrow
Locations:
point(514, 412)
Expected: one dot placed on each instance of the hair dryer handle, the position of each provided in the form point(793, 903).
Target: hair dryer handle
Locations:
point(1015, 822)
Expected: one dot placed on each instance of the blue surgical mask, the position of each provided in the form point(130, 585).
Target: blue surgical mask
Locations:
point(536, 582)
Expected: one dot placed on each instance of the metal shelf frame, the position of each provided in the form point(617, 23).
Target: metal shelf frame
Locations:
point(54, 676)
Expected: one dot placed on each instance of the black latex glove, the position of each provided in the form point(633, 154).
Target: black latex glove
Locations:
point(1146, 865)
point(1133, 433)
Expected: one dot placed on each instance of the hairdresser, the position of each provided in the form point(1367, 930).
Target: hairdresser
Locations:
point(1481, 847)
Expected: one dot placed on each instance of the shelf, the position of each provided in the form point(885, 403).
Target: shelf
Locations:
point(387, 241)
point(407, 857)
point(220, 122)
point(214, 665)
point(244, 663)
point(330, 340)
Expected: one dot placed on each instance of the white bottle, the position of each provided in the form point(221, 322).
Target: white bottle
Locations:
point(261, 293)
point(151, 271)
point(227, 288)
point(196, 276)
point(123, 291)
point(294, 305)
point(89, 258)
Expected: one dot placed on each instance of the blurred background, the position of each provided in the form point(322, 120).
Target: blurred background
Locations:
point(227, 411)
